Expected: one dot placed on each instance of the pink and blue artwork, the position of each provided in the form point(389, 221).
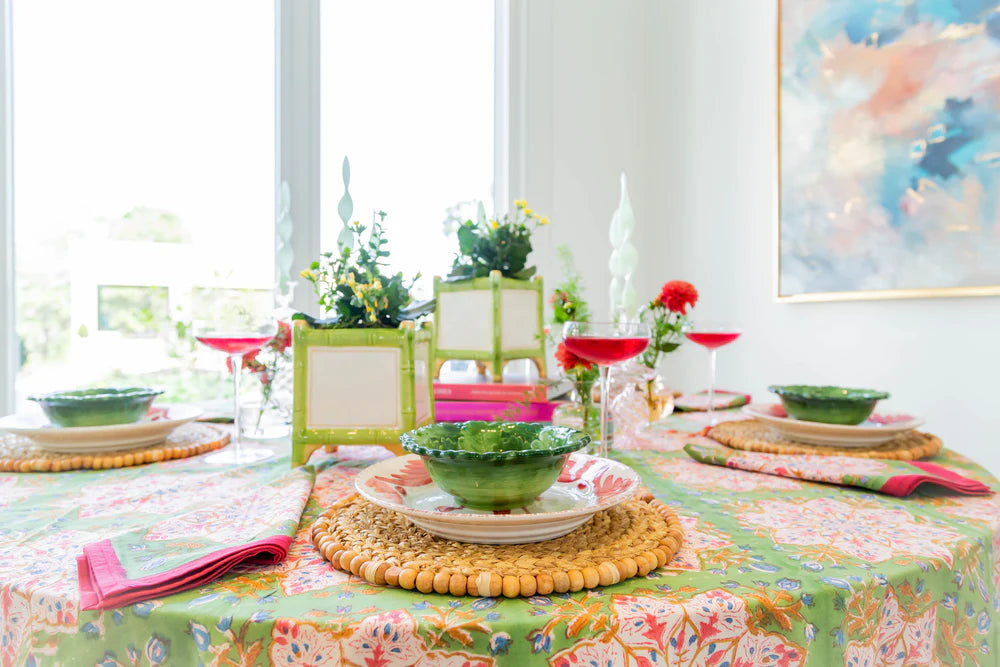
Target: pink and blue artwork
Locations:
point(889, 148)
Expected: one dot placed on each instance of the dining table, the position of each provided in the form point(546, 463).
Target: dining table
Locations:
point(773, 570)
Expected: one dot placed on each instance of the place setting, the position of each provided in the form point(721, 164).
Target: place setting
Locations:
point(506, 509)
point(106, 427)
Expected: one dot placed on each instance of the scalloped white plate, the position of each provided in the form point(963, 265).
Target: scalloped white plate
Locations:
point(586, 485)
point(878, 430)
point(87, 439)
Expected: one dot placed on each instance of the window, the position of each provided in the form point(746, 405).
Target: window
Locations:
point(144, 165)
point(144, 177)
point(407, 95)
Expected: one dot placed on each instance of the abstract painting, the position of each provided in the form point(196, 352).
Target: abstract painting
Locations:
point(889, 140)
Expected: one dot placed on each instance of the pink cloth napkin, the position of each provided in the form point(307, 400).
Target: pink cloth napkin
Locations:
point(896, 478)
point(104, 584)
point(204, 526)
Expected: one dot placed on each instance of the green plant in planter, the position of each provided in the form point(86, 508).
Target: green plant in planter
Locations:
point(351, 284)
point(362, 374)
point(497, 245)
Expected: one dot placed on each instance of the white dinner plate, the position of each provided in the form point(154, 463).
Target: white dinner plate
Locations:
point(87, 439)
point(586, 485)
point(877, 430)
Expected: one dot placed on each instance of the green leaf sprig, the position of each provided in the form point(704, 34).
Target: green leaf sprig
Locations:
point(497, 245)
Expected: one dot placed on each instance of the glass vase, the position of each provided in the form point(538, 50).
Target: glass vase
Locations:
point(571, 415)
point(265, 419)
point(638, 396)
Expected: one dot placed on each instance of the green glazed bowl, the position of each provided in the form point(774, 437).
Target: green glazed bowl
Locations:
point(493, 465)
point(829, 405)
point(96, 407)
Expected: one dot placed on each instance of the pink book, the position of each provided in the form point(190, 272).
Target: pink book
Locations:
point(490, 391)
point(461, 411)
point(461, 382)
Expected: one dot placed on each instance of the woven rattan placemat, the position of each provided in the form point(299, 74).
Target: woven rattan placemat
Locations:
point(385, 548)
point(755, 436)
point(20, 454)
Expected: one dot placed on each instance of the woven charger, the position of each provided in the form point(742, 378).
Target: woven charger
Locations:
point(755, 436)
point(19, 453)
point(384, 548)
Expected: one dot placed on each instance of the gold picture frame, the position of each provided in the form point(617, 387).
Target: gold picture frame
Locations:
point(852, 295)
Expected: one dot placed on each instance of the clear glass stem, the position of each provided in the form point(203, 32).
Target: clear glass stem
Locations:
point(602, 446)
point(711, 385)
point(236, 362)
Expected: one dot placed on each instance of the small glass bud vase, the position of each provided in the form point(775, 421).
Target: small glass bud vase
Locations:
point(571, 414)
point(639, 398)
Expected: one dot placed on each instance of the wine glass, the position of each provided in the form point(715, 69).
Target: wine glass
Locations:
point(237, 333)
point(712, 336)
point(605, 343)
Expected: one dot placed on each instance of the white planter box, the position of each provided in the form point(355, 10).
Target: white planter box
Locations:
point(359, 386)
point(489, 320)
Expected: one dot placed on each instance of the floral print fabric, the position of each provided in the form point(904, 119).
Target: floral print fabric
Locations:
point(773, 571)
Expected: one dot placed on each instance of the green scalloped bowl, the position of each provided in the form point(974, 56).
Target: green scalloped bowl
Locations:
point(828, 405)
point(493, 465)
point(96, 407)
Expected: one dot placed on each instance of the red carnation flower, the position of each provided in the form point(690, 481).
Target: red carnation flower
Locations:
point(569, 361)
point(249, 359)
point(677, 295)
point(283, 339)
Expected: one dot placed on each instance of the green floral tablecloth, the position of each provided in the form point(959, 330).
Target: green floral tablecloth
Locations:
point(774, 571)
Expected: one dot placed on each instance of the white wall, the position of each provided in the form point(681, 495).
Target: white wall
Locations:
point(577, 122)
point(683, 96)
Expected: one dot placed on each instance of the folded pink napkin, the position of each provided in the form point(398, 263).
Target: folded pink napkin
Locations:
point(249, 517)
point(723, 400)
point(896, 478)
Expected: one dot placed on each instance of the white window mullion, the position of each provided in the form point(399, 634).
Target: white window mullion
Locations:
point(298, 132)
point(9, 353)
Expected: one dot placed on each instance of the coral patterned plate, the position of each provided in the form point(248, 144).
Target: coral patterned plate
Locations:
point(877, 430)
point(153, 428)
point(586, 485)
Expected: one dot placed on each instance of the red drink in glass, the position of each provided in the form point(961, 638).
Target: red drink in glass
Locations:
point(605, 351)
point(236, 343)
point(712, 339)
point(711, 336)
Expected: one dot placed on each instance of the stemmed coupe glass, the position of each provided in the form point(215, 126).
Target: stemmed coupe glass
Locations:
point(711, 335)
point(236, 334)
point(605, 343)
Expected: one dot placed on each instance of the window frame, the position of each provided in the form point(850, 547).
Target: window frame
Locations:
point(297, 149)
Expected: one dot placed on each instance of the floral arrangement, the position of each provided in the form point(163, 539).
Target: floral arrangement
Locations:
point(667, 315)
point(497, 245)
point(353, 286)
point(266, 362)
point(568, 305)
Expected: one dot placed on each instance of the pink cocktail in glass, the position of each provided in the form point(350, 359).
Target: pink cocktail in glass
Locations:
point(605, 343)
point(249, 335)
point(605, 351)
point(711, 337)
point(239, 343)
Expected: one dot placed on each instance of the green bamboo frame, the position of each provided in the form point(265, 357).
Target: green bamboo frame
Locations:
point(306, 440)
point(497, 356)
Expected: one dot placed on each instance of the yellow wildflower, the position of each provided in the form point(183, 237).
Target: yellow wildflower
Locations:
point(543, 221)
point(520, 203)
point(307, 274)
point(527, 211)
point(494, 224)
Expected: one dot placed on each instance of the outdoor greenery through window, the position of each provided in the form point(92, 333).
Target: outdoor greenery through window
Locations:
point(144, 186)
